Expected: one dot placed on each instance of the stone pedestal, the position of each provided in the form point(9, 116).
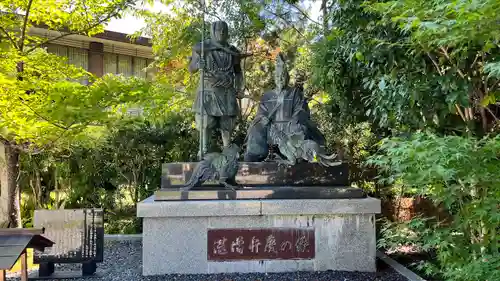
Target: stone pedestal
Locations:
point(258, 235)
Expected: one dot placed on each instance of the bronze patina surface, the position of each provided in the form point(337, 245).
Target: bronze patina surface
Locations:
point(263, 174)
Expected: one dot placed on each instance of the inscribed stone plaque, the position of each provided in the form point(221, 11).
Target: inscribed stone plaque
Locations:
point(260, 244)
point(78, 235)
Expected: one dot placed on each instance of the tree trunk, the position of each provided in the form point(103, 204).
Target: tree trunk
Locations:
point(56, 189)
point(9, 182)
point(3, 187)
point(135, 185)
point(38, 187)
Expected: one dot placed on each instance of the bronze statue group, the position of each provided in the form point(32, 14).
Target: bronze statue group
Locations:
point(282, 120)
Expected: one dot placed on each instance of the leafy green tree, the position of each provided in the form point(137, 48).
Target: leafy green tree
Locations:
point(132, 153)
point(40, 101)
point(119, 168)
point(350, 65)
point(461, 41)
point(405, 65)
point(460, 174)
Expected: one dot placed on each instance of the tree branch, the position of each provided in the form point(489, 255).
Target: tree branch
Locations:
point(434, 62)
point(44, 118)
point(61, 135)
point(305, 14)
point(445, 53)
point(469, 113)
point(317, 101)
point(8, 36)
point(459, 110)
point(286, 21)
point(25, 24)
point(492, 113)
point(474, 62)
point(495, 86)
point(86, 9)
point(249, 110)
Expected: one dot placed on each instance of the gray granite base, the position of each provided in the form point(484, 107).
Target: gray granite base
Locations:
point(175, 233)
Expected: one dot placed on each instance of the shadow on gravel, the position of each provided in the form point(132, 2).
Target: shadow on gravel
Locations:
point(123, 262)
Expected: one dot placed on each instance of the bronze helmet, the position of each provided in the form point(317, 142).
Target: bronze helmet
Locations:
point(219, 31)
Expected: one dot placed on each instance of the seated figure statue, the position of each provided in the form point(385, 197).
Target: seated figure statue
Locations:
point(281, 112)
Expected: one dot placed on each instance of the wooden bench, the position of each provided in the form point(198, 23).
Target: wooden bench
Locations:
point(13, 245)
point(79, 238)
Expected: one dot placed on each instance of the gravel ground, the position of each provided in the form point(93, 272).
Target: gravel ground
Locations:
point(123, 262)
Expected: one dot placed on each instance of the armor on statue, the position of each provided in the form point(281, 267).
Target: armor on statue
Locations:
point(222, 84)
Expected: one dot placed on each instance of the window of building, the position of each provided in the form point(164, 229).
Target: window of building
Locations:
point(110, 63)
point(140, 65)
point(125, 65)
point(76, 56)
point(113, 63)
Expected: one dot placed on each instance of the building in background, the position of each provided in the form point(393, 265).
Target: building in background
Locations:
point(108, 52)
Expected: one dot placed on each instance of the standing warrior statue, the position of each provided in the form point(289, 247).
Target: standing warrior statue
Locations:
point(215, 105)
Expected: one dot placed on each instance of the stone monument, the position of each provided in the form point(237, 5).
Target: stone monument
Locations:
point(294, 214)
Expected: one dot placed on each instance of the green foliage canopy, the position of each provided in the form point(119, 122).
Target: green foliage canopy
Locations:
point(461, 40)
point(42, 99)
point(461, 174)
point(397, 63)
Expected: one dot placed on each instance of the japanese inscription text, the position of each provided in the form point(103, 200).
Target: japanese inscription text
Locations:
point(260, 244)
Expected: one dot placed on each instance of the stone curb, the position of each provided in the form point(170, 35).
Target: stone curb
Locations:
point(122, 237)
point(408, 274)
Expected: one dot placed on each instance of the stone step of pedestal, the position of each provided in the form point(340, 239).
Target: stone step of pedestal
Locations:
point(277, 192)
point(264, 174)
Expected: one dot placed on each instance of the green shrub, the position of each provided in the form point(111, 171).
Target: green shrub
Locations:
point(115, 173)
point(460, 173)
